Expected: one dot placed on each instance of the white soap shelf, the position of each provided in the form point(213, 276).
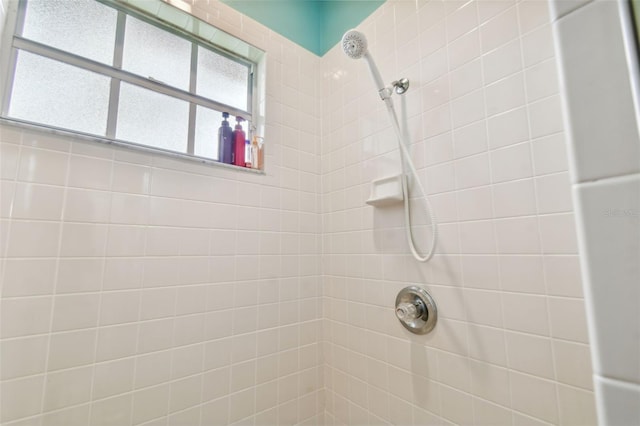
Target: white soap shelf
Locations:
point(386, 191)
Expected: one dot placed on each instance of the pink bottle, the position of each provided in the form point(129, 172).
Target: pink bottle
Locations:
point(238, 143)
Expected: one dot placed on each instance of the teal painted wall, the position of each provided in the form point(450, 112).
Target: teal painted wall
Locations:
point(342, 15)
point(316, 25)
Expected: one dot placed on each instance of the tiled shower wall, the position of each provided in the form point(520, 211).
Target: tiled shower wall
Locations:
point(138, 289)
point(483, 110)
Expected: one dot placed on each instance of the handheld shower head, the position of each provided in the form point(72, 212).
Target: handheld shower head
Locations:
point(354, 44)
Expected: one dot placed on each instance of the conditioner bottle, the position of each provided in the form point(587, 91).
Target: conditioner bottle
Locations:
point(239, 143)
point(225, 141)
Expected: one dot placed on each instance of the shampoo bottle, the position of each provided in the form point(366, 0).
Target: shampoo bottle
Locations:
point(239, 143)
point(255, 158)
point(247, 154)
point(225, 141)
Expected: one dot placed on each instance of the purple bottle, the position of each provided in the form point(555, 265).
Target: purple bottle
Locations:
point(225, 141)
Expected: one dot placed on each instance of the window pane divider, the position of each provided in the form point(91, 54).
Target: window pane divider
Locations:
point(193, 76)
point(114, 94)
point(88, 64)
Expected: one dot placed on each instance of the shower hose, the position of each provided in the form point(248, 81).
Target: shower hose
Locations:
point(405, 158)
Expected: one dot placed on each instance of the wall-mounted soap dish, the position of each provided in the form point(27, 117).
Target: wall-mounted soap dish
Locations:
point(386, 191)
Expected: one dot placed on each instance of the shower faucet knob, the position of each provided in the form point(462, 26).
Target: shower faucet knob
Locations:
point(409, 311)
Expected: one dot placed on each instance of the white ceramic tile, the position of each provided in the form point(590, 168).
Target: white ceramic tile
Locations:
point(23, 357)
point(469, 140)
point(123, 273)
point(483, 307)
point(480, 271)
point(502, 62)
point(185, 393)
point(537, 45)
point(468, 108)
point(541, 80)
point(48, 167)
point(490, 382)
point(466, 79)
point(513, 199)
point(617, 401)
point(549, 154)
point(21, 398)
point(119, 307)
point(568, 319)
point(518, 235)
point(9, 155)
point(462, 21)
point(464, 49)
point(130, 178)
point(83, 240)
point(456, 406)
point(87, 172)
point(33, 239)
point(553, 193)
point(573, 363)
point(474, 204)
point(508, 128)
point(562, 274)
point(532, 14)
point(79, 275)
point(530, 354)
point(75, 311)
point(519, 309)
point(157, 303)
point(490, 8)
point(524, 274)
point(125, 241)
point(74, 416)
point(534, 396)
point(587, 93)
point(150, 403)
point(87, 206)
point(37, 202)
point(505, 95)
point(67, 388)
point(113, 378)
point(116, 410)
point(486, 413)
point(499, 29)
point(560, 8)
point(71, 349)
point(558, 234)
point(28, 277)
point(576, 405)
point(477, 238)
point(116, 342)
point(511, 163)
point(129, 209)
point(25, 316)
point(472, 171)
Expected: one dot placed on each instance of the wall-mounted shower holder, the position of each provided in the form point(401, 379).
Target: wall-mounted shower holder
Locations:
point(401, 86)
point(416, 310)
point(386, 191)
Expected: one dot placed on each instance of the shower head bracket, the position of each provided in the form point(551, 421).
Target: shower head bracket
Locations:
point(401, 86)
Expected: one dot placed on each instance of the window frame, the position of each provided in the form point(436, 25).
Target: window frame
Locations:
point(13, 41)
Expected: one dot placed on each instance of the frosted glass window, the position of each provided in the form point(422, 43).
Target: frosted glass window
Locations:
point(53, 93)
point(83, 27)
point(222, 79)
point(206, 138)
point(152, 119)
point(155, 53)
